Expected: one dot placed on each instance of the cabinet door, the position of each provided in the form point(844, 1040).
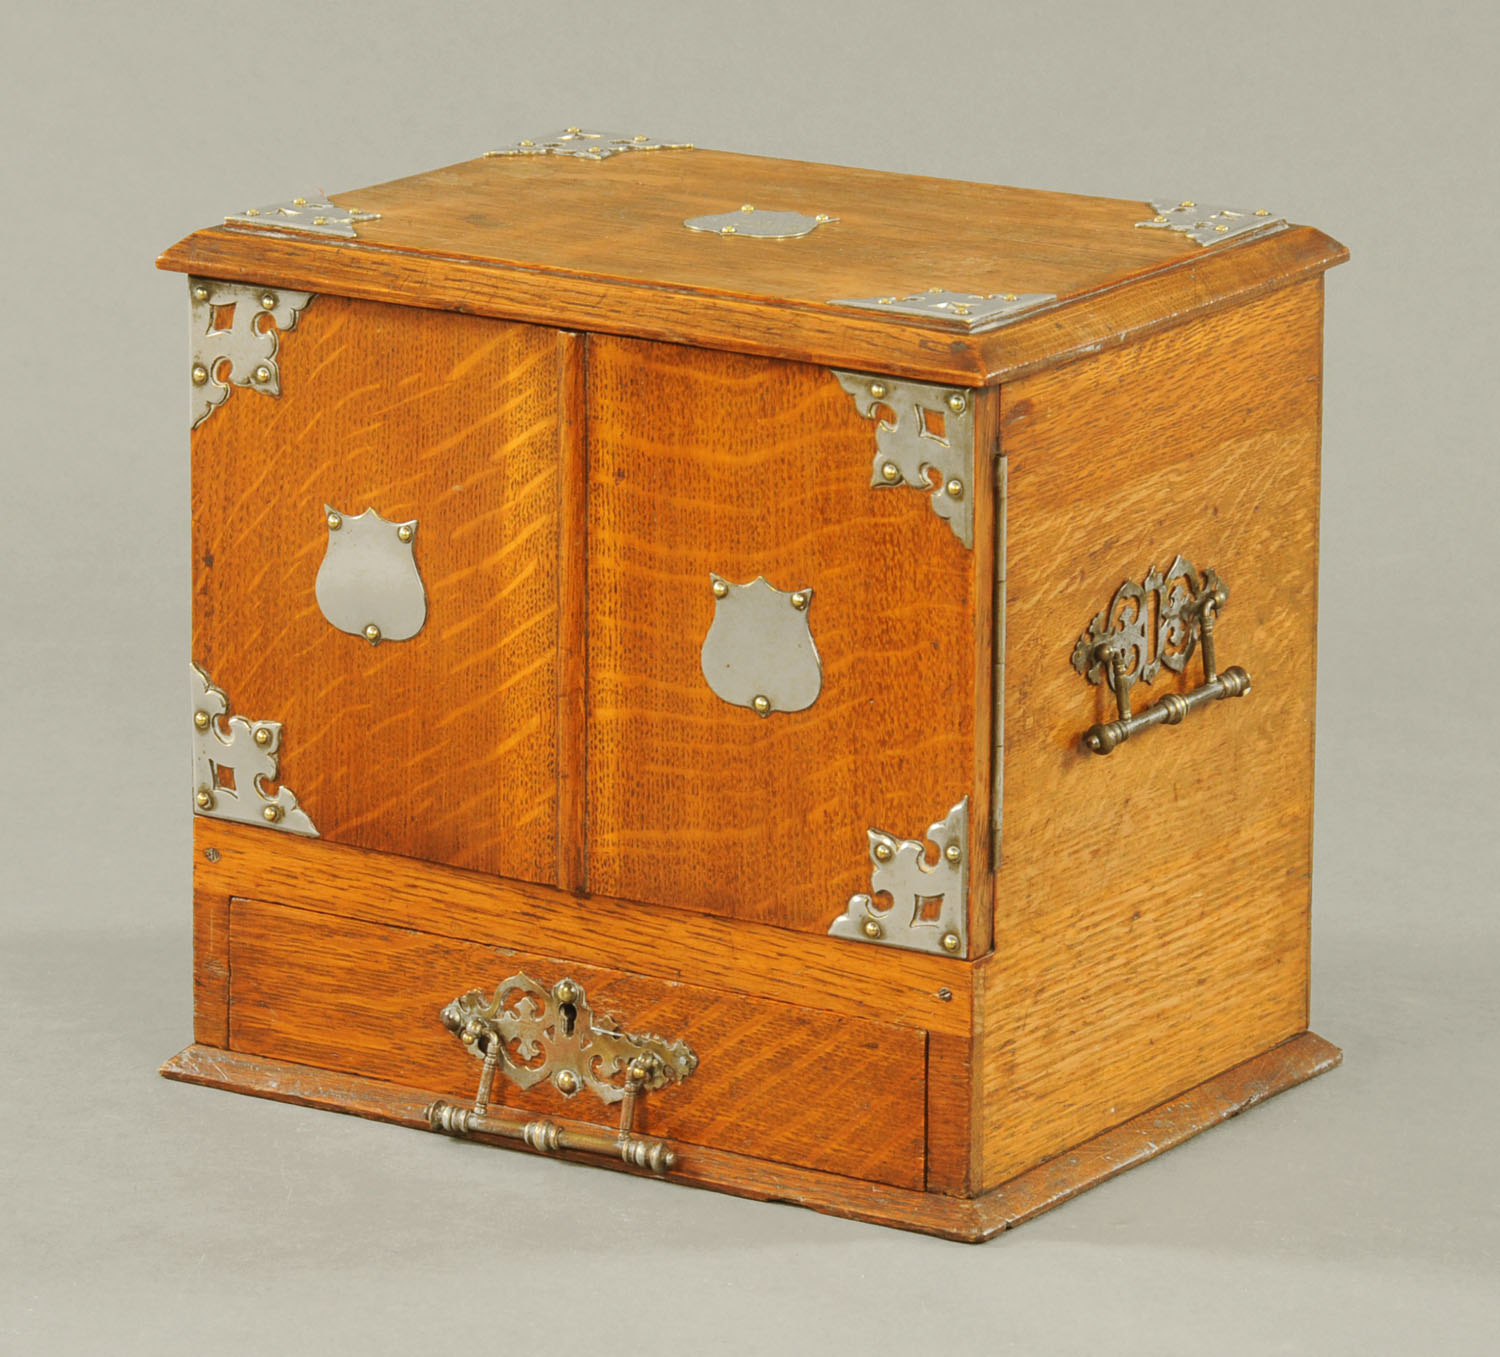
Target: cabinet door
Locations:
point(442, 746)
point(705, 465)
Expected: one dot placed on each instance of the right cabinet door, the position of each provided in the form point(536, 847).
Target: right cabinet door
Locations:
point(708, 472)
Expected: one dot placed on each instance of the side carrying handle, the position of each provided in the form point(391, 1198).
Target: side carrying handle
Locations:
point(1119, 645)
point(530, 1034)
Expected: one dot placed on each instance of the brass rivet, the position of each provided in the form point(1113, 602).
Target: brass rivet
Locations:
point(823, 216)
point(638, 1070)
point(271, 814)
point(201, 719)
point(720, 588)
point(726, 230)
point(262, 374)
point(200, 294)
point(299, 202)
point(957, 403)
point(890, 472)
point(747, 207)
point(372, 634)
point(953, 852)
point(528, 142)
point(268, 300)
point(1187, 202)
point(950, 942)
point(262, 736)
point(961, 310)
point(566, 992)
point(883, 852)
point(762, 705)
point(877, 389)
point(955, 488)
point(934, 289)
point(334, 522)
point(1010, 297)
point(886, 301)
point(799, 600)
point(1262, 212)
point(1158, 219)
point(200, 374)
point(575, 130)
point(1221, 228)
point(252, 211)
point(320, 221)
point(567, 1081)
point(406, 532)
point(205, 800)
point(873, 929)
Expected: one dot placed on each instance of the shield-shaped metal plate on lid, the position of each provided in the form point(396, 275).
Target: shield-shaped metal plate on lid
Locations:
point(759, 652)
point(368, 584)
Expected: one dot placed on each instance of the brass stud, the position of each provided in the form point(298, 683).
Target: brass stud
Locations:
point(886, 301)
point(204, 800)
point(873, 929)
point(799, 600)
point(957, 403)
point(566, 992)
point(762, 705)
point(961, 309)
point(201, 719)
point(406, 532)
point(268, 300)
point(950, 942)
point(576, 131)
point(1221, 228)
point(1262, 212)
point(720, 588)
point(252, 211)
point(823, 217)
point(262, 374)
point(878, 390)
point(638, 1071)
point(726, 231)
point(567, 1081)
point(299, 202)
point(955, 488)
point(1187, 202)
point(200, 374)
point(262, 736)
point(1010, 297)
point(884, 852)
point(334, 522)
point(200, 293)
point(271, 814)
point(953, 852)
point(1158, 219)
point(528, 142)
point(372, 634)
point(890, 473)
point(747, 207)
point(320, 221)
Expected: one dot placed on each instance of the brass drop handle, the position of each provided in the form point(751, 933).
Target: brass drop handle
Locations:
point(1185, 617)
point(559, 1026)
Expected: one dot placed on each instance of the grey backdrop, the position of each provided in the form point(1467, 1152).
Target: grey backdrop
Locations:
point(1357, 1214)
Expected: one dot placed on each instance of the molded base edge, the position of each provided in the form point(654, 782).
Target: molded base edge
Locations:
point(967, 1219)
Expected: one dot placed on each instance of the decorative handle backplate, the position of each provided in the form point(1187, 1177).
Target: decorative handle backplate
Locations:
point(1148, 626)
point(531, 1034)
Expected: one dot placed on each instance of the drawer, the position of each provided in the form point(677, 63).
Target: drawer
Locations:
point(773, 1081)
point(442, 746)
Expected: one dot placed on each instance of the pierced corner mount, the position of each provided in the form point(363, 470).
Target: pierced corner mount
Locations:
point(921, 429)
point(580, 144)
point(964, 310)
point(309, 216)
point(928, 909)
point(236, 330)
point(759, 224)
point(1205, 224)
point(234, 765)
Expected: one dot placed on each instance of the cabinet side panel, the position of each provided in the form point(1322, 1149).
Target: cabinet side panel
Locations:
point(444, 746)
point(1151, 924)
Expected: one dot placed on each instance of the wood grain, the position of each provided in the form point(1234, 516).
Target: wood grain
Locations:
point(774, 1081)
point(702, 462)
point(1152, 906)
point(909, 989)
point(443, 746)
point(966, 1220)
point(210, 968)
point(572, 612)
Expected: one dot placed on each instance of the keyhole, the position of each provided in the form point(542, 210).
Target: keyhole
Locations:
point(569, 1017)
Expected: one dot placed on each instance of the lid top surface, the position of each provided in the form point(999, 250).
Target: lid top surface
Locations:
point(622, 218)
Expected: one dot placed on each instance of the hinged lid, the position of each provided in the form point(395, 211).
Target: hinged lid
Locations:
point(930, 278)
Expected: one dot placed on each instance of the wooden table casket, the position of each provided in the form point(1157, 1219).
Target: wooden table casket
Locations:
point(666, 630)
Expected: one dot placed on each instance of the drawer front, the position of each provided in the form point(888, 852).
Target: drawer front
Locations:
point(442, 746)
point(710, 464)
point(773, 1081)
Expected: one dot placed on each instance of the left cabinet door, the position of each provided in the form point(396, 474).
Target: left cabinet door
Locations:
point(438, 737)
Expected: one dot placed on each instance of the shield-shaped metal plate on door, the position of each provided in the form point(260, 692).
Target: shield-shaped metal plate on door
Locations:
point(759, 652)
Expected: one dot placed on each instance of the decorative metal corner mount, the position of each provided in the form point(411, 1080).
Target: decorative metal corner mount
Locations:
point(312, 216)
point(759, 224)
point(234, 760)
point(583, 145)
point(1208, 225)
point(231, 345)
point(533, 1034)
point(1147, 627)
point(965, 310)
point(929, 906)
point(921, 428)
